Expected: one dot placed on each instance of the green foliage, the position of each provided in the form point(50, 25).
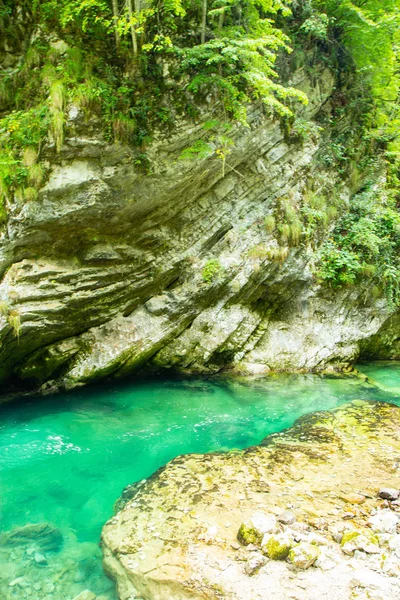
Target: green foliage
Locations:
point(365, 242)
point(370, 33)
point(199, 150)
point(316, 26)
point(21, 135)
point(211, 270)
point(303, 130)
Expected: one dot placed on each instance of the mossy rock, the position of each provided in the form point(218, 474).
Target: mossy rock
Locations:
point(248, 535)
point(359, 539)
point(277, 547)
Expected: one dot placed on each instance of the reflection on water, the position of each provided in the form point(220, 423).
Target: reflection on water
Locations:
point(64, 460)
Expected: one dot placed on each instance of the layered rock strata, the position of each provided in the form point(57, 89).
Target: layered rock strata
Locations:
point(113, 269)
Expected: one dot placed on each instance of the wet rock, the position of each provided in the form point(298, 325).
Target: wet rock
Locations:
point(304, 555)
point(389, 494)
point(384, 521)
point(48, 537)
point(277, 546)
point(19, 581)
point(287, 518)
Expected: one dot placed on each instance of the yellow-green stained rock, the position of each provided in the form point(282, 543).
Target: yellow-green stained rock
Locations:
point(277, 546)
point(362, 539)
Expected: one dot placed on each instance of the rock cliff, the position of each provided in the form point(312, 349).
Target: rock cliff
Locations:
point(113, 269)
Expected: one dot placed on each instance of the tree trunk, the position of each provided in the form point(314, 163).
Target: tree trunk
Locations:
point(133, 29)
point(204, 22)
point(115, 19)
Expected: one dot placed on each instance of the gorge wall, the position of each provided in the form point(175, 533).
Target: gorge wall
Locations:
point(113, 269)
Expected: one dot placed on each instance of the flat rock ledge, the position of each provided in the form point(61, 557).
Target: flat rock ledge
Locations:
point(311, 513)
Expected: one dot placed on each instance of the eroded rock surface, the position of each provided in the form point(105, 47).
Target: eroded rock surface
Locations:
point(209, 526)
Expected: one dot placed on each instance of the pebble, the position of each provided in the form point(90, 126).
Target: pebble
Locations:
point(327, 560)
point(19, 581)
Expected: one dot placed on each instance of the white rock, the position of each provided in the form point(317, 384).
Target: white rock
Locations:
point(394, 545)
point(317, 539)
point(304, 555)
point(385, 521)
point(328, 559)
point(264, 523)
point(255, 562)
point(210, 534)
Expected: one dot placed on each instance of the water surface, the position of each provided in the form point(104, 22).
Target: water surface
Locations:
point(65, 459)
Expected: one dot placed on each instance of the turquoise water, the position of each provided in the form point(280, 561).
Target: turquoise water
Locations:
point(65, 459)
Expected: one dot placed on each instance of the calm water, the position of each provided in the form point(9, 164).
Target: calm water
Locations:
point(65, 459)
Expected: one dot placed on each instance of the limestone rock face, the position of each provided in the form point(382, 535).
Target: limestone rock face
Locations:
point(158, 547)
point(112, 269)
